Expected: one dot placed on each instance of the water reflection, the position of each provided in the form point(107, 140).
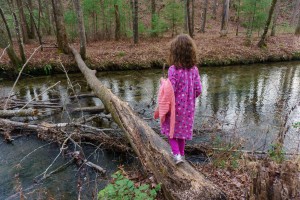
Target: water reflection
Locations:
point(249, 100)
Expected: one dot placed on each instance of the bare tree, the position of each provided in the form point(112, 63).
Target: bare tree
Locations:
point(23, 23)
point(225, 17)
point(262, 42)
point(135, 22)
point(214, 9)
point(81, 28)
point(31, 32)
point(189, 21)
point(295, 12)
point(19, 38)
point(61, 34)
point(118, 23)
point(6, 40)
point(275, 18)
point(204, 16)
point(297, 32)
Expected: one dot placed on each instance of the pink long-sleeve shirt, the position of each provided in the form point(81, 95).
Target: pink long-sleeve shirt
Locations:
point(187, 87)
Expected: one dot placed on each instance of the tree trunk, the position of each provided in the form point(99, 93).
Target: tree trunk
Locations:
point(297, 32)
point(238, 18)
point(178, 182)
point(135, 22)
point(81, 28)
point(193, 16)
point(189, 21)
point(214, 8)
point(274, 23)
point(20, 39)
point(35, 26)
point(24, 26)
point(186, 28)
point(118, 24)
point(295, 12)
point(204, 16)
point(153, 18)
point(225, 17)
point(262, 43)
point(31, 33)
point(4, 42)
point(61, 34)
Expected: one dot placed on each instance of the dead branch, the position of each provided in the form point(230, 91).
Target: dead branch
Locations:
point(10, 93)
point(18, 113)
point(4, 51)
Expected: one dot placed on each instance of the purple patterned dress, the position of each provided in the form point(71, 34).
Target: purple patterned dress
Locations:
point(187, 87)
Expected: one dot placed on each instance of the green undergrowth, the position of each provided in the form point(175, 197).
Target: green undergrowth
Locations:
point(122, 188)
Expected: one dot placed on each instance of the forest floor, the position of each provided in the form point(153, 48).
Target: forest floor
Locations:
point(213, 50)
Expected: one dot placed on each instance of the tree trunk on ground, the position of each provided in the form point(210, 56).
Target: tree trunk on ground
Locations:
point(19, 38)
point(276, 14)
point(297, 32)
point(31, 33)
point(81, 28)
point(295, 12)
point(178, 182)
point(189, 21)
point(204, 16)
point(135, 21)
point(18, 113)
point(262, 42)
point(24, 25)
point(274, 181)
point(214, 8)
point(118, 23)
point(225, 18)
point(61, 34)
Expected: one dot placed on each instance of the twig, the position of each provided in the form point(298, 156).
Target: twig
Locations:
point(4, 51)
point(19, 77)
point(39, 95)
point(34, 151)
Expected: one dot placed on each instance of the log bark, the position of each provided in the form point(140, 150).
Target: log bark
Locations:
point(95, 109)
point(18, 113)
point(178, 182)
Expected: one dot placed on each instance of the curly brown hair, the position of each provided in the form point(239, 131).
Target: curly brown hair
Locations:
point(183, 52)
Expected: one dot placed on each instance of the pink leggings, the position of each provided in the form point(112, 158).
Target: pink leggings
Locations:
point(177, 145)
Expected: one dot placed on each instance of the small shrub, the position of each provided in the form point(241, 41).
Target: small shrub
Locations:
point(123, 189)
point(276, 153)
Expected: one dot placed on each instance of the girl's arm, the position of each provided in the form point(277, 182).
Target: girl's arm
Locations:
point(197, 84)
point(172, 77)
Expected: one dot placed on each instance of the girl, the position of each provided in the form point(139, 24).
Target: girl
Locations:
point(185, 79)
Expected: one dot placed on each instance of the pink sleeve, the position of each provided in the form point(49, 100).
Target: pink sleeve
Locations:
point(172, 76)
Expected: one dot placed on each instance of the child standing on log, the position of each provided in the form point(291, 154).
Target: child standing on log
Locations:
point(184, 78)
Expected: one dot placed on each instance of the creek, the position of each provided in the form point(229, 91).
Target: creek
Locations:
point(247, 102)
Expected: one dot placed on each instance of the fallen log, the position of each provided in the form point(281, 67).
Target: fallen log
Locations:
point(94, 109)
point(18, 113)
point(178, 182)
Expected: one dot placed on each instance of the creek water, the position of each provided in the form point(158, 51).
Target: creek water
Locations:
point(248, 102)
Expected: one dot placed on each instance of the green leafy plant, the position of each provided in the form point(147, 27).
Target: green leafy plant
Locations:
point(276, 152)
point(124, 189)
point(47, 69)
point(296, 125)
